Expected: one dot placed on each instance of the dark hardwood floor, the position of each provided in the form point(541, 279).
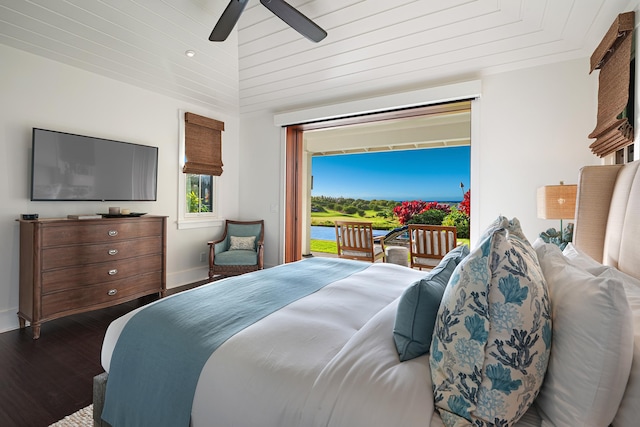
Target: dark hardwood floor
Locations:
point(44, 380)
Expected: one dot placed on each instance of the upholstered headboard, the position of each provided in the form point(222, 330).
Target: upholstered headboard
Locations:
point(607, 223)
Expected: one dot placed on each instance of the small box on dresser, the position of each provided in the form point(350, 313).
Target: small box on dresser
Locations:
point(71, 266)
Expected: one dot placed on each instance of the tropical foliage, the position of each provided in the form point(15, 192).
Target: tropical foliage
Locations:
point(388, 214)
point(465, 205)
point(406, 210)
point(434, 213)
point(458, 219)
point(196, 203)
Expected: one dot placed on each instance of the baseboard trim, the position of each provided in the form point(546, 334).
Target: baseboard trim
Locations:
point(9, 319)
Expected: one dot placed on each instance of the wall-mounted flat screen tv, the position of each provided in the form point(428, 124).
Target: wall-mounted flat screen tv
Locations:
point(82, 168)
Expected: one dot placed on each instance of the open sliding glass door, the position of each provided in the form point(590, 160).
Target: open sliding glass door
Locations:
point(295, 156)
point(294, 194)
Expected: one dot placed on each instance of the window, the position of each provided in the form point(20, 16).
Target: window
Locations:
point(624, 155)
point(613, 56)
point(199, 193)
point(200, 165)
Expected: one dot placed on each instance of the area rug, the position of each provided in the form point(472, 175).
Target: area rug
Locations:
point(82, 418)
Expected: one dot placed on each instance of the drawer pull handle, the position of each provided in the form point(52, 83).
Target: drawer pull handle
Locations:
point(113, 251)
point(113, 233)
point(113, 272)
point(112, 292)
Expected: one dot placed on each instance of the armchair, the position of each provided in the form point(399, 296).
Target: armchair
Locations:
point(428, 244)
point(239, 250)
point(355, 241)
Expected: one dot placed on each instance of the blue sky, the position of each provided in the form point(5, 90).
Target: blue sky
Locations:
point(428, 174)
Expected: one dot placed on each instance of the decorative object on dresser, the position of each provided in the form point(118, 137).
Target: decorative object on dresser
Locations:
point(72, 266)
point(83, 216)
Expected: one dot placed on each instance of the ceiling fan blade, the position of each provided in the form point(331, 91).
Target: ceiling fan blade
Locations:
point(295, 19)
point(227, 20)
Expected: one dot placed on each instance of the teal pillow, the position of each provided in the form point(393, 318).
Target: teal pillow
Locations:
point(418, 307)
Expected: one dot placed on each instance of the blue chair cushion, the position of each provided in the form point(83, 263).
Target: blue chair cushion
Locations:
point(236, 257)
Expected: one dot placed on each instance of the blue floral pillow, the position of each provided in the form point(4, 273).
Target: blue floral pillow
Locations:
point(492, 337)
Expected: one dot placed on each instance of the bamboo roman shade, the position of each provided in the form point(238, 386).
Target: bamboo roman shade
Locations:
point(203, 145)
point(613, 57)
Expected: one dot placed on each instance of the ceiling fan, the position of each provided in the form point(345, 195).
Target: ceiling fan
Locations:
point(280, 8)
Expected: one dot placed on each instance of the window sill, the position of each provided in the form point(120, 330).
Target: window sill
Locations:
point(185, 224)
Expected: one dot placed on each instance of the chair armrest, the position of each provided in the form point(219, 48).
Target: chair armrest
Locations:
point(219, 245)
point(379, 240)
point(260, 250)
point(215, 247)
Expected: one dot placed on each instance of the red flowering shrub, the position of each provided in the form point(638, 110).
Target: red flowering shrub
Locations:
point(465, 204)
point(435, 205)
point(406, 210)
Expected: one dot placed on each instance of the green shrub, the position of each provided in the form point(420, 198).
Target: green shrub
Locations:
point(195, 203)
point(459, 220)
point(430, 217)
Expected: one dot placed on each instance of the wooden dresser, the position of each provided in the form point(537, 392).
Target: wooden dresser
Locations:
point(71, 266)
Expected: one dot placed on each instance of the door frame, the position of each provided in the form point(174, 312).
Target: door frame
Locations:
point(294, 156)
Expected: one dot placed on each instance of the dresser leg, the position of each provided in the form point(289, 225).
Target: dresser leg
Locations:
point(23, 323)
point(36, 330)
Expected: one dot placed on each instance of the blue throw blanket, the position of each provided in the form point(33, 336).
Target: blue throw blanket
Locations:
point(161, 351)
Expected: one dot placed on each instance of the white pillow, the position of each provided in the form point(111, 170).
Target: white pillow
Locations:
point(582, 260)
point(592, 344)
point(242, 243)
point(629, 412)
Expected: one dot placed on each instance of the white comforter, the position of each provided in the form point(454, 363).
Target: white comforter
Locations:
point(326, 360)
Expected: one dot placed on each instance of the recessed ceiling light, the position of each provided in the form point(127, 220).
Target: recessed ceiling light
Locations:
point(190, 53)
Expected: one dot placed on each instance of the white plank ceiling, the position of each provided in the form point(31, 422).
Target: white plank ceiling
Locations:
point(374, 47)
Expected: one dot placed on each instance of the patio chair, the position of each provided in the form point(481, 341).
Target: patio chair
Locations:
point(397, 237)
point(239, 250)
point(428, 244)
point(355, 241)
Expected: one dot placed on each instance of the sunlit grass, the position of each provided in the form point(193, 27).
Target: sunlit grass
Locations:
point(329, 217)
point(330, 247)
point(326, 246)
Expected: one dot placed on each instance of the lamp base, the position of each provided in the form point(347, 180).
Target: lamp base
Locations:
point(561, 239)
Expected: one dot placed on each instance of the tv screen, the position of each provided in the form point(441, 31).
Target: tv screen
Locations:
point(82, 168)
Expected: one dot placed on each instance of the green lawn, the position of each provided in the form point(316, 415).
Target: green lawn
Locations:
point(329, 217)
point(330, 247)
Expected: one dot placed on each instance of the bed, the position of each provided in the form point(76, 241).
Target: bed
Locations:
point(342, 351)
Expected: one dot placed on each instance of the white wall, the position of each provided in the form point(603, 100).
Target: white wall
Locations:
point(534, 127)
point(37, 92)
point(531, 131)
point(261, 182)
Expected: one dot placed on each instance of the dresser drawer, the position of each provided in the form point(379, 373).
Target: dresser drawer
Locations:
point(103, 294)
point(67, 256)
point(106, 230)
point(91, 274)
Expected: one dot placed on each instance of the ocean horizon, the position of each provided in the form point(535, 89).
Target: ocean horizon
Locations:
point(428, 200)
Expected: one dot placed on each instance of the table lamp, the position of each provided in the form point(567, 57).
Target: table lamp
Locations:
point(557, 202)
